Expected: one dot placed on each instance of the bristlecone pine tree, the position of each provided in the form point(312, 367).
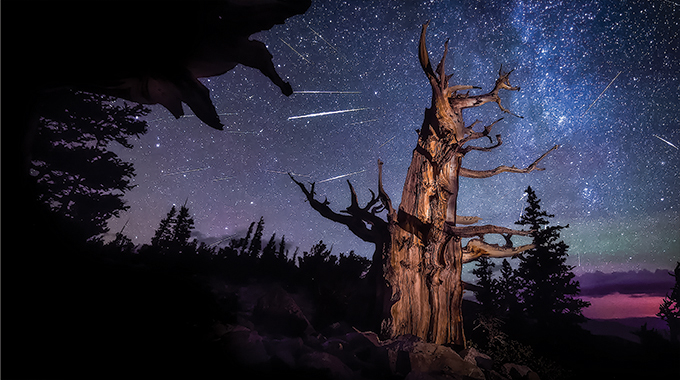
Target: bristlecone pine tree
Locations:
point(418, 260)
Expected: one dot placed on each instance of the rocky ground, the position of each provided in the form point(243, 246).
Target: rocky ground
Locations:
point(273, 337)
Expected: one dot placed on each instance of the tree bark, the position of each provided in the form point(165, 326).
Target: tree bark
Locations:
point(419, 256)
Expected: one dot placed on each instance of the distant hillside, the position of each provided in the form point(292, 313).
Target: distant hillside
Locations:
point(624, 327)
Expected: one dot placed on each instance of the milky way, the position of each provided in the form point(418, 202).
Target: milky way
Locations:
point(612, 180)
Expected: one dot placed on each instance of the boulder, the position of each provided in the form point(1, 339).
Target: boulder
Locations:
point(285, 352)
point(365, 352)
point(409, 353)
point(518, 372)
point(483, 361)
point(277, 313)
point(322, 365)
point(244, 347)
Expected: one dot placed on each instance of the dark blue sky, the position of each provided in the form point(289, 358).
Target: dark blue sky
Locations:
point(600, 78)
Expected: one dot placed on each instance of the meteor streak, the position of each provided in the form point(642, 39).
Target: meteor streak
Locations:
point(325, 92)
point(221, 241)
point(296, 52)
point(666, 141)
point(326, 113)
point(341, 176)
point(282, 172)
point(361, 122)
point(222, 178)
point(185, 116)
point(598, 97)
point(324, 40)
point(187, 171)
point(246, 132)
point(385, 143)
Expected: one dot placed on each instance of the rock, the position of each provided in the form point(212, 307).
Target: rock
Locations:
point(337, 329)
point(323, 365)
point(417, 375)
point(518, 372)
point(244, 347)
point(493, 375)
point(277, 313)
point(365, 352)
point(285, 352)
point(358, 339)
point(409, 353)
point(483, 361)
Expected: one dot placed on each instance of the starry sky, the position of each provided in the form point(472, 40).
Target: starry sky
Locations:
point(600, 78)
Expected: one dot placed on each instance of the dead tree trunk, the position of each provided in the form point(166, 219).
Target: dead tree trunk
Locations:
point(419, 254)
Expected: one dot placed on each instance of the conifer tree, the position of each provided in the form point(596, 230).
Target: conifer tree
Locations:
point(669, 310)
point(163, 236)
point(77, 176)
point(487, 293)
point(182, 228)
point(507, 283)
point(242, 244)
point(547, 288)
point(256, 243)
point(282, 248)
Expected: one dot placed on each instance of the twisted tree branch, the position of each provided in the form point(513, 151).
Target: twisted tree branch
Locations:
point(501, 169)
point(480, 231)
point(477, 248)
point(357, 219)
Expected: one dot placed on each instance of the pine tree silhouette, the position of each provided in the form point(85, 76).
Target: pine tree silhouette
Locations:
point(487, 295)
point(547, 290)
point(182, 228)
point(163, 237)
point(669, 310)
point(77, 176)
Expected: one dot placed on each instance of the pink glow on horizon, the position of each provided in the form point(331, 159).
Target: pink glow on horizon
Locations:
point(617, 305)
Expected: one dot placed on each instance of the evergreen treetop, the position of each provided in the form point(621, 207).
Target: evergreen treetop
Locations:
point(547, 287)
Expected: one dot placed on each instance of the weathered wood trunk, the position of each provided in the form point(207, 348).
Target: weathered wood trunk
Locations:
point(419, 257)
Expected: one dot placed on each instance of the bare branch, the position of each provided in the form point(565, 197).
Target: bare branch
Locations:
point(480, 231)
point(384, 198)
point(498, 143)
point(451, 91)
point(355, 221)
point(424, 57)
point(472, 135)
point(502, 169)
point(502, 83)
point(441, 70)
point(477, 248)
point(467, 219)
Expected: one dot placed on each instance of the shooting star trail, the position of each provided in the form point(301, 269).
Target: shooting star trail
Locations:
point(326, 113)
point(361, 122)
point(187, 171)
point(186, 116)
point(296, 52)
point(341, 176)
point(223, 178)
point(666, 141)
point(324, 40)
point(605, 89)
point(286, 173)
point(385, 143)
point(220, 241)
point(325, 92)
point(521, 212)
point(246, 132)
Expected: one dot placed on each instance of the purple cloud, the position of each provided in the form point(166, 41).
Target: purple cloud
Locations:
point(598, 284)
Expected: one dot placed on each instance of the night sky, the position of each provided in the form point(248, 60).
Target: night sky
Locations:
point(600, 78)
